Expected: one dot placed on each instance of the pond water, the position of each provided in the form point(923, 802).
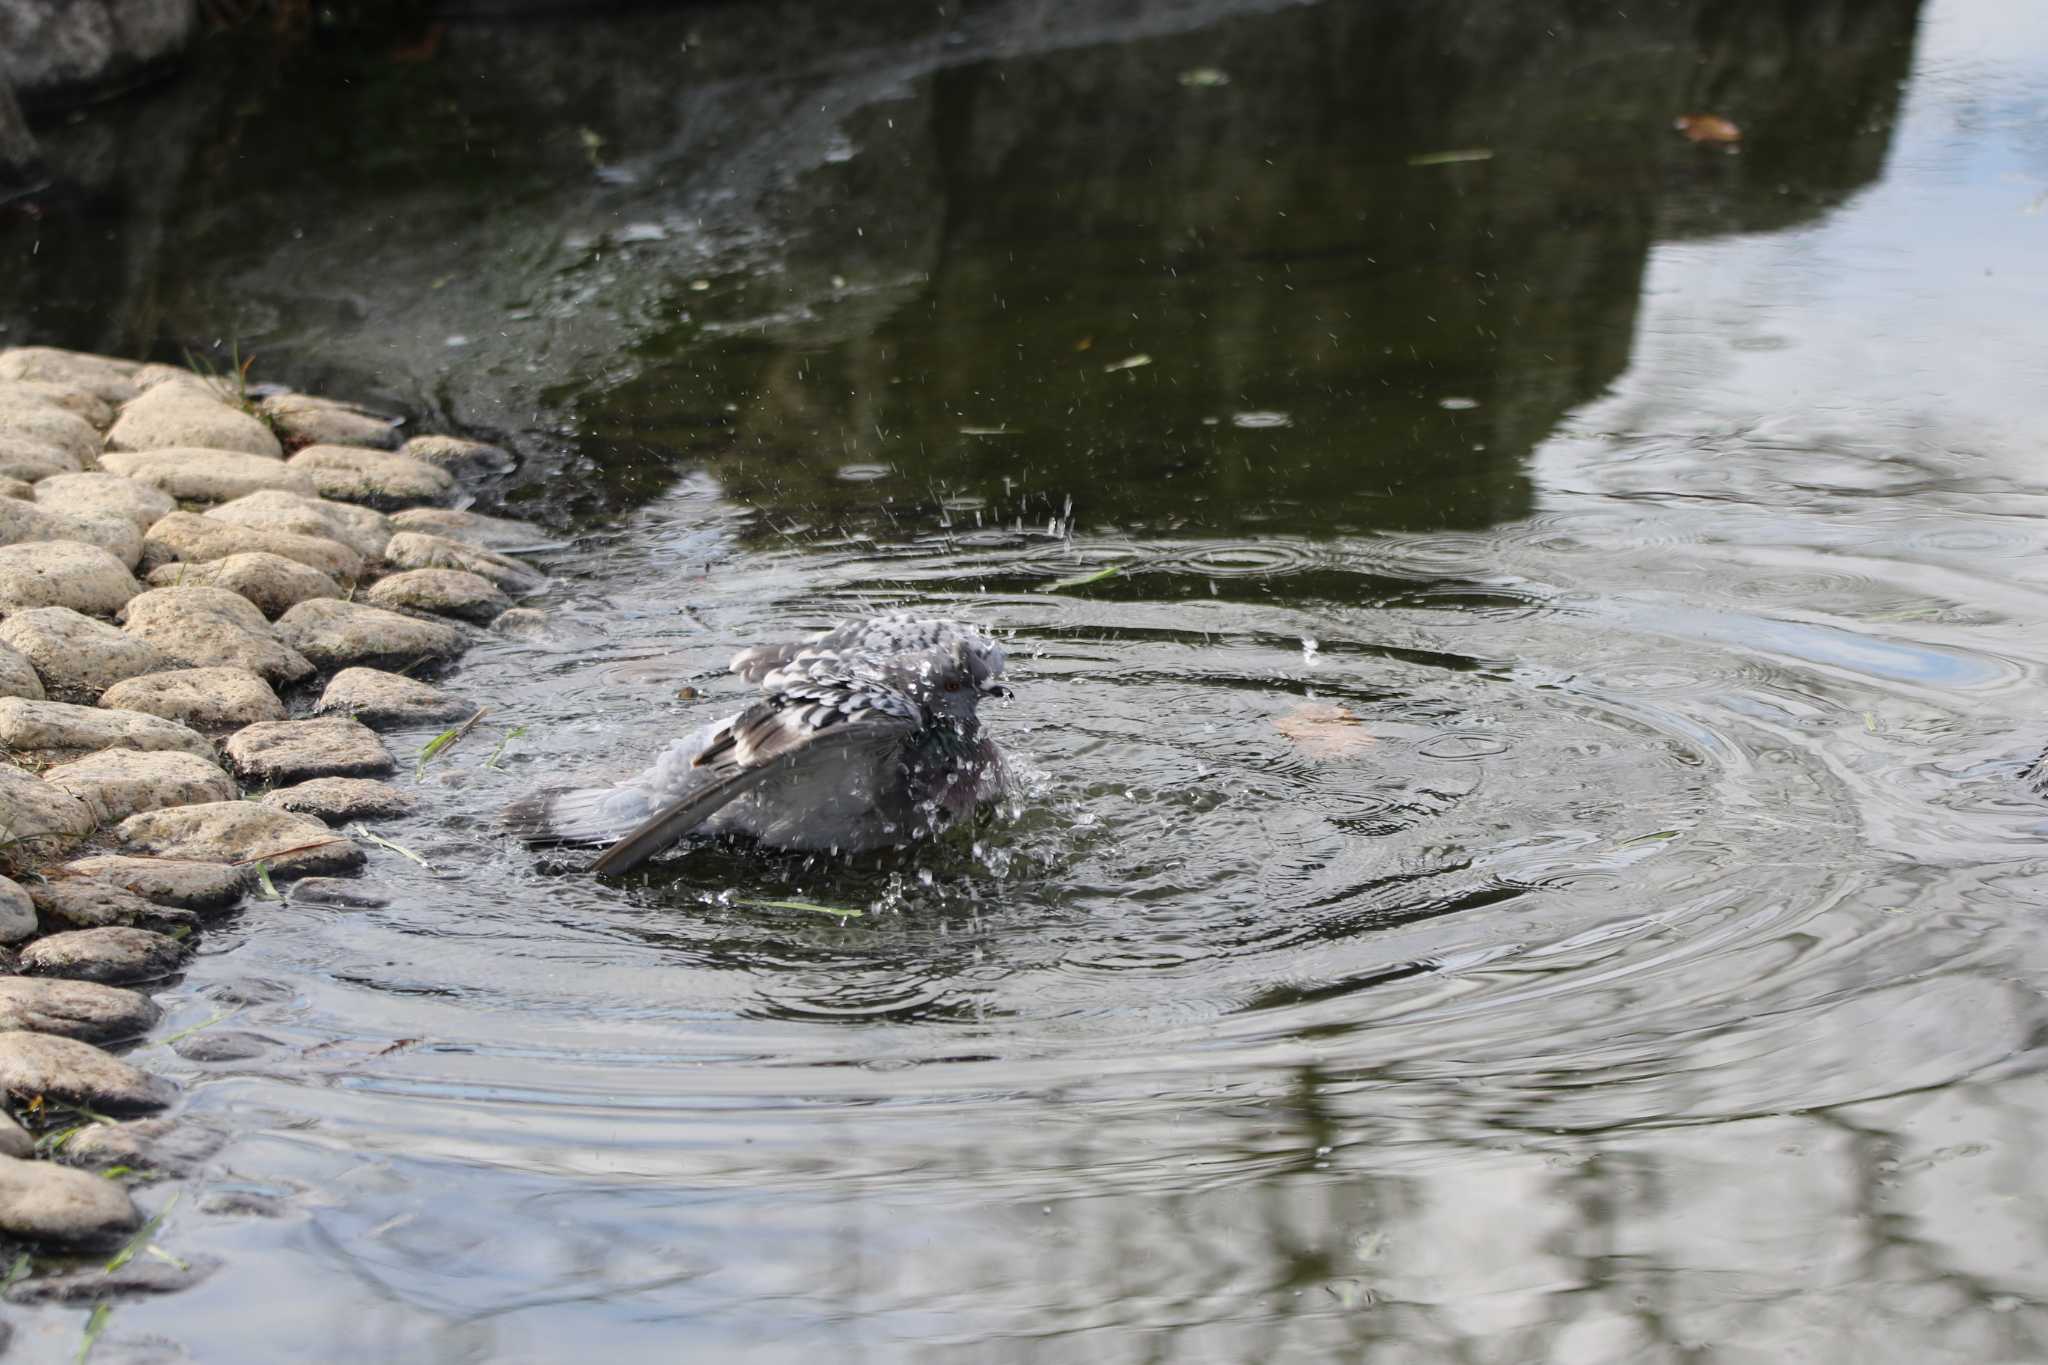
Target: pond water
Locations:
point(1526, 634)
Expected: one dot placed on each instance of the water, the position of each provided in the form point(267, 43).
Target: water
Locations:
point(1523, 859)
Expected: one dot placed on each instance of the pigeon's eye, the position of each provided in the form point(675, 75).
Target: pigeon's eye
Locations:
point(952, 684)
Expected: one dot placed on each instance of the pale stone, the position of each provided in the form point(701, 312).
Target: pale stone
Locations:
point(76, 655)
point(197, 474)
point(178, 414)
point(413, 550)
point(63, 573)
point(388, 701)
point(191, 537)
point(54, 727)
point(363, 529)
point(474, 529)
point(161, 1144)
point(100, 494)
point(105, 377)
point(85, 1010)
point(459, 456)
point(378, 478)
point(322, 421)
point(337, 800)
point(169, 881)
point(212, 627)
point(31, 461)
point(207, 699)
point(43, 1202)
point(77, 1073)
point(18, 489)
point(293, 750)
point(272, 583)
point(30, 420)
point(39, 817)
point(18, 676)
point(17, 913)
point(124, 781)
point(24, 522)
point(335, 634)
point(242, 831)
point(76, 401)
point(521, 623)
point(69, 903)
point(14, 1142)
point(445, 592)
point(115, 956)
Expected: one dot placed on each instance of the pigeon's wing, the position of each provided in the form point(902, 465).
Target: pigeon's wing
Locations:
point(804, 724)
point(897, 633)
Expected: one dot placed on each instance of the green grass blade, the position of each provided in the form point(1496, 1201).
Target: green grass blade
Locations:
point(837, 911)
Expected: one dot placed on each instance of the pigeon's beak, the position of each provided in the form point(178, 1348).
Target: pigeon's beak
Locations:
point(993, 688)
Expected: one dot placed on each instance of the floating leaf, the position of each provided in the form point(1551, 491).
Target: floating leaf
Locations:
point(1452, 157)
point(18, 1271)
point(518, 731)
point(1660, 836)
point(1707, 128)
point(987, 431)
point(270, 891)
point(182, 1034)
point(95, 1324)
point(1079, 580)
point(837, 911)
point(1324, 730)
point(444, 740)
point(382, 842)
point(1204, 78)
point(141, 1238)
point(1129, 362)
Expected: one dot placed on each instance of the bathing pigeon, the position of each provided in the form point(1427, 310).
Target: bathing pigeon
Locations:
point(868, 735)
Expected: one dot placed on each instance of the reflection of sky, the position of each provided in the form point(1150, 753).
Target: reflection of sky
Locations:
point(1913, 321)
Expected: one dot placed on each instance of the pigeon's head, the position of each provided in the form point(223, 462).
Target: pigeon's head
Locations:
point(949, 681)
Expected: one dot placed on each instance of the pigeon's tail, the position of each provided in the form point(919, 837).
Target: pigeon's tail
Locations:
point(577, 815)
point(2036, 776)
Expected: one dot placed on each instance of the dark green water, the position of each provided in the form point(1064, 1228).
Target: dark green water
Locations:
point(1646, 965)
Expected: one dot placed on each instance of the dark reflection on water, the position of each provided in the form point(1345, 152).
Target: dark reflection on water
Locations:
point(1518, 856)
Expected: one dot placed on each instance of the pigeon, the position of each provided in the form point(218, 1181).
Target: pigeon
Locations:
point(868, 736)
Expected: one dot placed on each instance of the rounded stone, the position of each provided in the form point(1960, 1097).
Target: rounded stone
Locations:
point(521, 623)
point(17, 913)
point(18, 676)
point(214, 628)
point(307, 420)
point(192, 537)
point(123, 781)
point(459, 456)
point(46, 1203)
point(413, 550)
point(374, 477)
point(337, 800)
point(169, 881)
point(100, 494)
point(14, 1142)
point(473, 529)
point(39, 817)
point(61, 573)
point(106, 377)
point(293, 750)
point(196, 474)
point(387, 701)
point(26, 522)
point(445, 592)
point(55, 727)
point(30, 420)
point(32, 461)
point(363, 529)
point(241, 832)
point(76, 655)
point(72, 1072)
point(85, 1010)
point(188, 415)
point(76, 401)
point(64, 903)
point(115, 956)
point(207, 699)
point(337, 634)
point(271, 582)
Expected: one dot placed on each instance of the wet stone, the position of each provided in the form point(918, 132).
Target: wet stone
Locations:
point(388, 701)
point(192, 537)
point(372, 477)
point(56, 727)
point(169, 881)
point(272, 583)
point(116, 956)
point(332, 891)
point(445, 592)
point(18, 676)
point(100, 494)
point(64, 903)
point(207, 699)
point(24, 523)
point(225, 1045)
point(521, 623)
point(293, 750)
point(75, 655)
point(212, 627)
point(362, 529)
point(45, 1203)
point(241, 832)
point(124, 781)
point(85, 1010)
point(305, 420)
point(337, 634)
point(459, 456)
point(64, 573)
point(77, 1073)
point(189, 415)
point(172, 1146)
point(413, 550)
point(17, 912)
point(42, 818)
point(95, 1284)
point(337, 800)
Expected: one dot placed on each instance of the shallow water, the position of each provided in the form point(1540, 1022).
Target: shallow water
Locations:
point(1522, 859)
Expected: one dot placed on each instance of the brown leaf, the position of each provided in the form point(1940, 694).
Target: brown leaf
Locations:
point(1707, 128)
point(1324, 730)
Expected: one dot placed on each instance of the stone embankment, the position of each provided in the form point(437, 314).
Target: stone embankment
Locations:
point(210, 603)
